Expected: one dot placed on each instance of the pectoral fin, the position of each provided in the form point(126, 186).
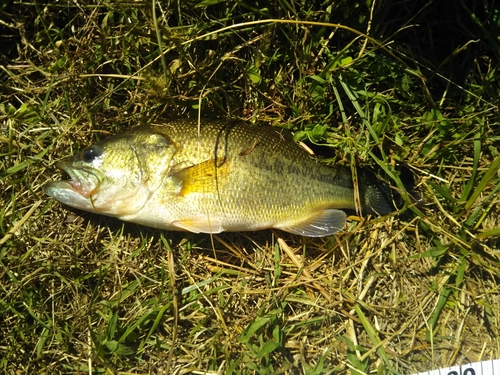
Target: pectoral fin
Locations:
point(205, 177)
point(205, 225)
point(321, 224)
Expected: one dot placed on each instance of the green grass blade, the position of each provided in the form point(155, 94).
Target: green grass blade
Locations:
point(492, 171)
point(370, 331)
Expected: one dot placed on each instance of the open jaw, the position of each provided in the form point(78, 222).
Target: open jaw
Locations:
point(83, 181)
point(87, 188)
point(76, 191)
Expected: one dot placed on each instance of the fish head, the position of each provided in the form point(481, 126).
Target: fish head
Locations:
point(116, 176)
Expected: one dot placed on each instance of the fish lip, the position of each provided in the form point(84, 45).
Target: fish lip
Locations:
point(75, 182)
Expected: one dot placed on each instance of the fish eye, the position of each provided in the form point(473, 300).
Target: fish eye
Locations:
point(90, 153)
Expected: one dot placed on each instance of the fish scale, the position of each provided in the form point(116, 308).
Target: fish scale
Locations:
point(275, 181)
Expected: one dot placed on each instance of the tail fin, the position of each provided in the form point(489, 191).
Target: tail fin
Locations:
point(377, 197)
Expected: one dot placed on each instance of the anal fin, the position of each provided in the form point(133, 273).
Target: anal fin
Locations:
point(321, 224)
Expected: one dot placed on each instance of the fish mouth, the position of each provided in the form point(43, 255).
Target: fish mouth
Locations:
point(84, 181)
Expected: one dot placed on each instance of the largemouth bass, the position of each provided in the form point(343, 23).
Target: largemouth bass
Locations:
point(225, 176)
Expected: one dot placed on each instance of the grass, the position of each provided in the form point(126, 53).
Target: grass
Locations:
point(415, 83)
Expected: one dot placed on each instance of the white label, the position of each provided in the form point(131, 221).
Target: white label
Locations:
point(476, 368)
